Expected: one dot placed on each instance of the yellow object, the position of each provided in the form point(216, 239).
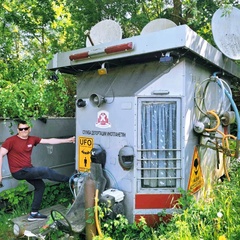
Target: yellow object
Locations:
point(196, 177)
point(218, 122)
point(96, 215)
point(225, 143)
point(102, 71)
point(222, 237)
point(85, 145)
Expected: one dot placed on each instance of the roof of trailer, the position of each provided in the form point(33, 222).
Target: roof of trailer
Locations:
point(179, 42)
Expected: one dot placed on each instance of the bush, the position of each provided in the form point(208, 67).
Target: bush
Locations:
point(211, 218)
point(21, 196)
point(18, 196)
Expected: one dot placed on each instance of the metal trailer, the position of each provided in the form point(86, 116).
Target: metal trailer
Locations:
point(144, 111)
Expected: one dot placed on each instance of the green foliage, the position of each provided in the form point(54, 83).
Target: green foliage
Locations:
point(32, 31)
point(17, 196)
point(26, 34)
point(215, 216)
point(198, 15)
point(20, 196)
point(6, 224)
point(90, 215)
point(56, 194)
point(55, 233)
point(32, 95)
point(19, 201)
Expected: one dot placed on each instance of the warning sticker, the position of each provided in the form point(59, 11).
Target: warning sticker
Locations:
point(196, 181)
point(84, 153)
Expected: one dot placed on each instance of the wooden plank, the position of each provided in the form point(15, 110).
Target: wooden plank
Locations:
point(35, 226)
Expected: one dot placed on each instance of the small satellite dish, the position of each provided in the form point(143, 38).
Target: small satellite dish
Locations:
point(158, 25)
point(226, 32)
point(104, 31)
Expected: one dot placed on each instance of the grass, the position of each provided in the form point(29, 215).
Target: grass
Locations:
point(215, 217)
point(19, 201)
point(6, 229)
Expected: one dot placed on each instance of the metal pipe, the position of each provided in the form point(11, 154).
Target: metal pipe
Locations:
point(89, 195)
point(237, 120)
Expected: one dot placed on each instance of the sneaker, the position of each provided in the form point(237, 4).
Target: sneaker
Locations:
point(36, 217)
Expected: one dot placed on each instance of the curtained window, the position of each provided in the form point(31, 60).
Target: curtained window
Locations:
point(160, 144)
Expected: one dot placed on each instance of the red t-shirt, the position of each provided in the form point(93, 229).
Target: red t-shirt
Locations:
point(19, 151)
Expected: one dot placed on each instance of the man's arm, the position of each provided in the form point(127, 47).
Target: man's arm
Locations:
point(3, 152)
point(57, 140)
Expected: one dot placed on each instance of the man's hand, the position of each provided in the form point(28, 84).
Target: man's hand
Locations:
point(72, 139)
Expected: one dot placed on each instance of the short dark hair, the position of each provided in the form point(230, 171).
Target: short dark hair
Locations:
point(22, 122)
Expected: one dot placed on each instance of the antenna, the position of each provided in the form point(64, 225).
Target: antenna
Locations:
point(226, 31)
point(104, 31)
point(158, 25)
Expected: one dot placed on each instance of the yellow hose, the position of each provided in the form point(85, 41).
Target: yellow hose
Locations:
point(218, 122)
point(225, 142)
point(224, 155)
point(226, 136)
point(96, 215)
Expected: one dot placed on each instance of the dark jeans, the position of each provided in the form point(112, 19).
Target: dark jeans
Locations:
point(34, 176)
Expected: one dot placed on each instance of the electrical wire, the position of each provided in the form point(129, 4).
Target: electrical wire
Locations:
point(70, 183)
point(201, 92)
point(112, 177)
point(199, 99)
point(71, 180)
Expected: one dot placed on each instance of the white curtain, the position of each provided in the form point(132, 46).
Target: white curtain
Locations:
point(158, 143)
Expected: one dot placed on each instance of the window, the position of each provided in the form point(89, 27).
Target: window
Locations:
point(159, 162)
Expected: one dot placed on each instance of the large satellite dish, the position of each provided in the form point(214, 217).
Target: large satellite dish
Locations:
point(226, 32)
point(158, 25)
point(104, 31)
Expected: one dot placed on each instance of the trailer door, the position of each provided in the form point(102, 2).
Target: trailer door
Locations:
point(159, 157)
point(159, 145)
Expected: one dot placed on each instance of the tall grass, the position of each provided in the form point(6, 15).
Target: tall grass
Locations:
point(214, 217)
point(211, 218)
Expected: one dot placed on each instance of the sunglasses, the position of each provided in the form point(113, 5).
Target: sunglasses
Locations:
point(25, 129)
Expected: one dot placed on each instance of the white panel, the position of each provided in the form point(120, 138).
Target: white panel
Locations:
point(173, 81)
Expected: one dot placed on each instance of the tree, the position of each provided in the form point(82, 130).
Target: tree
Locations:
point(26, 89)
point(33, 30)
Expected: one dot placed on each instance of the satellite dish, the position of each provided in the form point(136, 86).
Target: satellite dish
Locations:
point(158, 25)
point(104, 31)
point(226, 32)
